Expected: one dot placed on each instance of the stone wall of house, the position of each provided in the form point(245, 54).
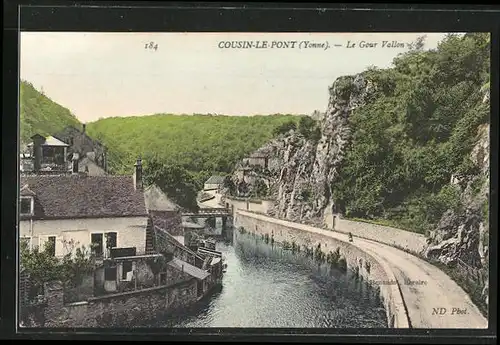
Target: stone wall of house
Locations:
point(80, 142)
point(171, 221)
point(126, 309)
point(175, 276)
point(131, 232)
point(168, 243)
point(261, 206)
point(356, 258)
point(84, 290)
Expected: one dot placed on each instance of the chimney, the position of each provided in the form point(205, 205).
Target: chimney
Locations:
point(83, 127)
point(38, 140)
point(138, 174)
point(74, 166)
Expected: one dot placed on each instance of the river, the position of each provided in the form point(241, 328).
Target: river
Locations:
point(265, 286)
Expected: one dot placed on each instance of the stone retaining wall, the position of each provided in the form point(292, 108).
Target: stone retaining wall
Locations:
point(355, 256)
point(408, 240)
point(117, 310)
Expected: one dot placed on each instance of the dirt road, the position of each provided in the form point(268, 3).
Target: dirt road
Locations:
point(432, 298)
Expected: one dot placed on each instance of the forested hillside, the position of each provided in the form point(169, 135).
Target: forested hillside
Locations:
point(406, 146)
point(417, 132)
point(39, 114)
point(201, 144)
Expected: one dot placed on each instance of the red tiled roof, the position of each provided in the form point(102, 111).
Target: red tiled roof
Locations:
point(73, 196)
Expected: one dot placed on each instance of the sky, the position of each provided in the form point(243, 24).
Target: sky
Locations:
point(99, 75)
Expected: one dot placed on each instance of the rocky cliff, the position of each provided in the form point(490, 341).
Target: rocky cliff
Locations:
point(297, 170)
point(461, 238)
point(406, 146)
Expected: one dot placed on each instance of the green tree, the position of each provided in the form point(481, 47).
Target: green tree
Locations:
point(43, 267)
point(285, 128)
point(309, 128)
point(175, 181)
point(415, 131)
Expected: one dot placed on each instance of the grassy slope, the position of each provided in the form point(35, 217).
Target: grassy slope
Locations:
point(39, 114)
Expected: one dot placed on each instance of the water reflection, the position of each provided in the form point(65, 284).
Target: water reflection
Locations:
point(265, 286)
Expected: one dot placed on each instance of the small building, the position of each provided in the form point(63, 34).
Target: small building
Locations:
point(80, 142)
point(215, 182)
point(256, 160)
point(69, 210)
point(126, 271)
point(56, 156)
point(202, 276)
point(164, 213)
point(48, 154)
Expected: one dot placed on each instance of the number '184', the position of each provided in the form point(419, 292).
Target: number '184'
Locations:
point(151, 45)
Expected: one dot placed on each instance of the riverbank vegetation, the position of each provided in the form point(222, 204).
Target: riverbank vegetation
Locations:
point(332, 258)
point(415, 133)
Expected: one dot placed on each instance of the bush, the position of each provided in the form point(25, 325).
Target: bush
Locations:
point(42, 267)
point(284, 128)
point(309, 129)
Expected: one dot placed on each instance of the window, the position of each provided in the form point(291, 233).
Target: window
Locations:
point(111, 239)
point(26, 205)
point(97, 244)
point(50, 245)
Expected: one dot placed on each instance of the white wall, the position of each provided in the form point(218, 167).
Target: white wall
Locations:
point(210, 186)
point(131, 231)
point(263, 206)
point(411, 241)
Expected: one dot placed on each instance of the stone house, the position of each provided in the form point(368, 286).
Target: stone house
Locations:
point(106, 211)
point(80, 142)
point(215, 182)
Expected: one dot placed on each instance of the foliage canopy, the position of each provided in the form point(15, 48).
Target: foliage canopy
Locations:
point(416, 133)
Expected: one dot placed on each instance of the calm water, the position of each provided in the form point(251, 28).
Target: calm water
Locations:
point(265, 286)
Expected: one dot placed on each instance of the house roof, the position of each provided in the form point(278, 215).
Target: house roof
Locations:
point(191, 225)
point(157, 200)
point(215, 179)
point(87, 162)
point(70, 131)
point(70, 196)
point(52, 141)
point(188, 268)
point(25, 191)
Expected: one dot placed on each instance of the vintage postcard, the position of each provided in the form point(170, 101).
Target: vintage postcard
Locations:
point(278, 180)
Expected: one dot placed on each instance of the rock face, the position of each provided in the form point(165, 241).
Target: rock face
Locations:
point(461, 237)
point(297, 171)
